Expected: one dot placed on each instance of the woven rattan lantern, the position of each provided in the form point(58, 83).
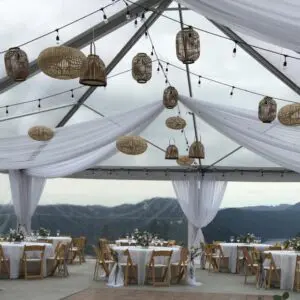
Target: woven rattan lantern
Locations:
point(16, 64)
point(176, 123)
point(184, 160)
point(142, 68)
point(197, 150)
point(41, 133)
point(93, 71)
point(289, 115)
point(61, 62)
point(267, 109)
point(170, 97)
point(131, 145)
point(171, 152)
point(188, 45)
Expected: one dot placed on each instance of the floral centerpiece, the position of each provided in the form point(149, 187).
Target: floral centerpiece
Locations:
point(15, 235)
point(247, 238)
point(292, 244)
point(43, 232)
point(142, 238)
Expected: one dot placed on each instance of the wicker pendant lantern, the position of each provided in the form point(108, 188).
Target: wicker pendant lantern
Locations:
point(171, 152)
point(267, 110)
point(176, 123)
point(16, 64)
point(197, 150)
point(187, 45)
point(142, 68)
point(289, 115)
point(131, 145)
point(61, 62)
point(93, 71)
point(184, 160)
point(170, 97)
point(41, 133)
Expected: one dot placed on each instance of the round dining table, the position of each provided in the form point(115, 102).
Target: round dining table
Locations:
point(230, 251)
point(141, 257)
point(14, 252)
point(286, 261)
point(56, 239)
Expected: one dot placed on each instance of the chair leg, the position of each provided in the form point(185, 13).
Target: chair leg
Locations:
point(126, 276)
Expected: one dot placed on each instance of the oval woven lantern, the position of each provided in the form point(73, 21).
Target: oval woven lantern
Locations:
point(41, 133)
point(197, 150)
point(171, 152)
point(16, 64)
point(93, 72)
point(142, 68)
point(267, 110)
point(184, 160)
point(131, 145)
point(289, 115)
point(176, 123)
point(187, 45)
point(61, 62)
point(170, 97)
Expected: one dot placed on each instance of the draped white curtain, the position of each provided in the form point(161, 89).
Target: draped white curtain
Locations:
point(275, 142)
point(275, 21)
point(200, 198)
point(26, 192)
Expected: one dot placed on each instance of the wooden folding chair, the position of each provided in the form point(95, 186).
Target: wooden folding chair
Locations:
point(165, 267)
point(131, 271)
point(59, 261)
point(240, 259)
point(26, 260)
point(297, 274)
point(77, 249)
point(210, 256)
point(101, 262)
point(271, 271)
point(4, 263)
point(250, 267)
point(179, 269)
point(84, 239)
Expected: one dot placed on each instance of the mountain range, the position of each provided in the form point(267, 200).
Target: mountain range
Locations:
point(158, 215)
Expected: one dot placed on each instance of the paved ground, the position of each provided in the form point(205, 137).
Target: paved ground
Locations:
point(80, 279)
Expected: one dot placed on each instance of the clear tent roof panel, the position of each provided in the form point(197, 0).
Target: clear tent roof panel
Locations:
point(123, 93)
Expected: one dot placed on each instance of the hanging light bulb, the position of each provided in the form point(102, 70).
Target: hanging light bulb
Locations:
point(128, 15)
point(105, 19)
point(234, 50)
point(146, 34)
point(6, 110)
point(285, 62)
point(72, 94)
point(143, 16)
point(57, 36)
point(231, 92)
point(199, 80)
point(39, 105)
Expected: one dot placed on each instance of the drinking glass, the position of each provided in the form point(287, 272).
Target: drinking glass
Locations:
point(258, 239)
point(231, 239)
point(238, 240)
point(57, 232)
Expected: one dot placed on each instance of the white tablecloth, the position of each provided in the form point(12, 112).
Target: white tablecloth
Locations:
point(125, 241)
point(57, 239)
point(230, 250)
point(286, 261)
point(141, 257)
point(14, 252)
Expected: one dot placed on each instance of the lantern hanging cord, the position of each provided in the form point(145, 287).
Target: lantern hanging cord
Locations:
point(284, 55)
point(62, 92)
point(227, 84)
point(56, 30)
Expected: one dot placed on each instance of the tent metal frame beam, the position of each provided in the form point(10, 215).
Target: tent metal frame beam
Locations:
point(258, 57)
point(147, 24)
point(242, 174)
point(82, 40)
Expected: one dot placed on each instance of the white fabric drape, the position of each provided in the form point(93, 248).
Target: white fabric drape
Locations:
point(273, 21)
point(200, 198)
point(275, 142)
point(26, 192)
point(73, 141)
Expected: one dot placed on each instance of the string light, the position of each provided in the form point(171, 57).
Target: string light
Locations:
point(6, 110)
point(128, 16)
point(39, 105)
point(158, 68)
point(105, 19)
point(57, 36)
point(146, 34)
point(143, 16)
point(167, 68)
point(136, 21)
point(72, 94)
point(234, 50)
point(152, 51)
point(232, 89)
point(199, 80)
point(285, 62)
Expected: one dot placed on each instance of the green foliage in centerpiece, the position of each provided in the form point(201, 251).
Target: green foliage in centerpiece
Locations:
point(142, 238)
point(15, 235)
point(247, 239)
point(292, 244)
point(43, 232)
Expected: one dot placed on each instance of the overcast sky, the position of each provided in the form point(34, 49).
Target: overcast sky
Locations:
point(123, 94)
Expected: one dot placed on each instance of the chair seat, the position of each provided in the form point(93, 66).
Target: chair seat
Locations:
point(268, 268)
point(109, 261)
point(32, 259)
point(125, 264)
point(253, 265)
point(74, 249)
point(178, 264)
point(158, 266)
point(217, 256)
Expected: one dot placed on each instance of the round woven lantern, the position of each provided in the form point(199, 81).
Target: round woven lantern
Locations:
point(170, 97)
point(197, 150)
point(16, 64)
point(184, 160)
point(289, 115)
point(171, 152)
point(93, 72)
point(131, 145)
point(176, 123)
point(41, 133)
point(187, 45)
point(267, 109)
point(61, 62)
point(142, 68)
